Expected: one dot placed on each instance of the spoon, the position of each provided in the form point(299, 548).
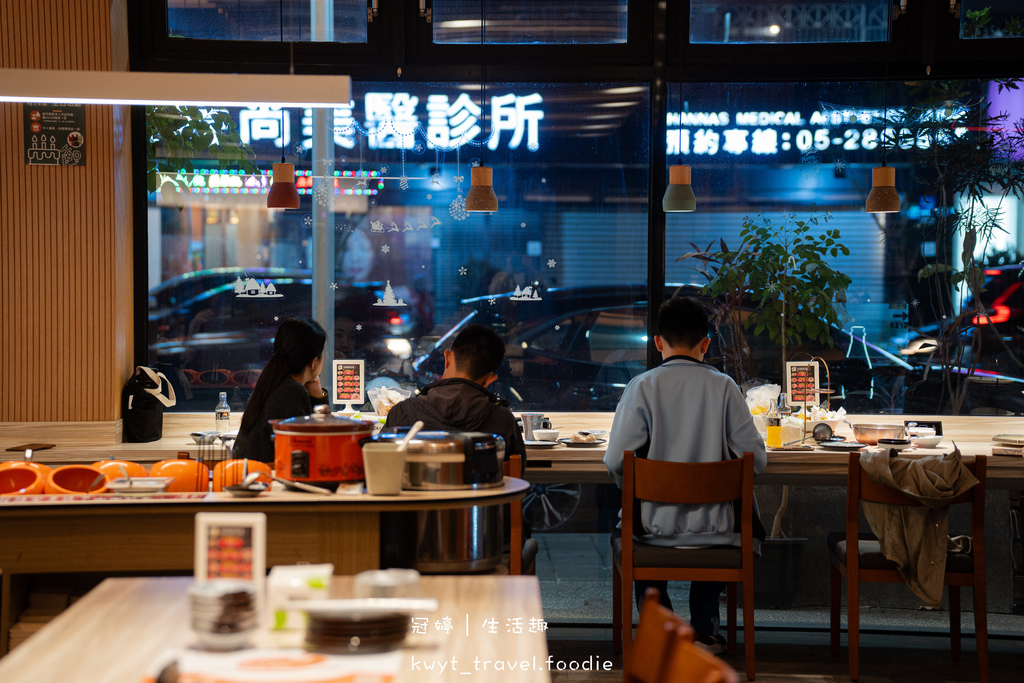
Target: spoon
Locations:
point(408, 437)
point(124, 472)
point(250, 479)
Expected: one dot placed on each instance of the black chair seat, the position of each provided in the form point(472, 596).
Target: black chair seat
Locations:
point(645, 555)
point(871, 556)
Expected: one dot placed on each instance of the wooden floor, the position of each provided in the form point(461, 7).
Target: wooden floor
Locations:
point(804, 657)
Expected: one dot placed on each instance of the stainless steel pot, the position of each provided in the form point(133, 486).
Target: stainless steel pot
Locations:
point(464, 539)
point(869, 434)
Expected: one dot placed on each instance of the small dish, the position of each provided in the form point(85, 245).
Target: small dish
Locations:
point(1009, 439)
point(894, 444)
point(139, 486)
point(250, 491)
point(204, 438)
point(541, 444)
point(841, 445)
point(569, 442)
point(926, 441)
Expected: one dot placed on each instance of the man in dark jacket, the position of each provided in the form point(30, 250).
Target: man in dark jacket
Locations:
point(459, 401)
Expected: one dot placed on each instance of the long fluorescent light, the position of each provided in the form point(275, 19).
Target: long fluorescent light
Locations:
point(161, 88)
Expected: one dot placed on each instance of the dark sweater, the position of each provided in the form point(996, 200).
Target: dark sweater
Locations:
point(287, 399)
point(458, 405)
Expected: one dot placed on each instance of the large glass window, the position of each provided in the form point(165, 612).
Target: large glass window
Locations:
point(925, 325)
point(515, 22)
point(278, 20)
point(560, 270)
point(812, 21)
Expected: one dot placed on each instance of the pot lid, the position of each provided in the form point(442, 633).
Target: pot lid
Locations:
point(322, 421)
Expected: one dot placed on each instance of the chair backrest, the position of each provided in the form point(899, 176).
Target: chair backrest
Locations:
point(688, 663)
point(860, 487)
point(513, 467)
point(689, 483)
point(655, 635)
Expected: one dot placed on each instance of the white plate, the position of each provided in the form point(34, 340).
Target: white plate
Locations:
point(841, 445)
point(1009, 439)
point(541, 444)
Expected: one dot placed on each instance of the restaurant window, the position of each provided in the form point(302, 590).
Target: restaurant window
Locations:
point(523, 22)
point(783, 155)
point(560, 270)
point(264, 20)
point(812, 21)
point(991, 19)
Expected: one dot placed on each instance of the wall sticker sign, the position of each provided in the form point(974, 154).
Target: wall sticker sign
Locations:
point(54, 134)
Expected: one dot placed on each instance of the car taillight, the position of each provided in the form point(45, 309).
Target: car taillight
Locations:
point(1002, 314)
point(396, 320)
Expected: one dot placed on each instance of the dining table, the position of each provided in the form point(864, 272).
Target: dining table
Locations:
point(129, 630)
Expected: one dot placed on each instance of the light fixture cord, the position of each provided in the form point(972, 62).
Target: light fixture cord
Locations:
point(885, 86)
point(291, 68)
point(483, 86)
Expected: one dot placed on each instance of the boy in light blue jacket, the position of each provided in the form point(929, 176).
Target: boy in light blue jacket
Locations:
point(685, 411)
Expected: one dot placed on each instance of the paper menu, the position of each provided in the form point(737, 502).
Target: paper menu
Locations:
point(802, 383)
point(348, 382)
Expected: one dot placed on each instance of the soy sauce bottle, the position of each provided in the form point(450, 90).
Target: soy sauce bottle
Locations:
point(222, 414)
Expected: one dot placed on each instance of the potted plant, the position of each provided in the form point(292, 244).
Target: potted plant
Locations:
point(779, 282)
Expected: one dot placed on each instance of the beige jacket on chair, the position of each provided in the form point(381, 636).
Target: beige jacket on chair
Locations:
point(916, 538)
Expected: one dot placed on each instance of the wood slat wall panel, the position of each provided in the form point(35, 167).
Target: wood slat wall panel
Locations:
point(65, 232)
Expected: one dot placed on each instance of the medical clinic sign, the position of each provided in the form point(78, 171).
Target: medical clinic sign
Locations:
point(401, 120)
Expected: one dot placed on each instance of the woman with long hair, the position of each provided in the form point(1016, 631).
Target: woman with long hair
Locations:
point(289, 386)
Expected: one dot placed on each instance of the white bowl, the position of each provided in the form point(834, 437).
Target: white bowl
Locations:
point(926, 441)
point(545, 434)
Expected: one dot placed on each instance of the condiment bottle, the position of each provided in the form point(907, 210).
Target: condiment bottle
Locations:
point(222, 414)
point(774, 436)
point(784, 408)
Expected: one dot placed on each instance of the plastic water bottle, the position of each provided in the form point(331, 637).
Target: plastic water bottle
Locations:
point(222, 414)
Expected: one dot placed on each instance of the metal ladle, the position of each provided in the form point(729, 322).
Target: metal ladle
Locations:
point(821, 432)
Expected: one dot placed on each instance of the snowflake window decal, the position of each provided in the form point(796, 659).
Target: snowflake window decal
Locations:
point(463, 270)
point(552, 263)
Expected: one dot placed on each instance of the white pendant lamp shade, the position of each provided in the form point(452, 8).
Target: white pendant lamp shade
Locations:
point(283, 194)
point(679, 195)
point(883, 197)
point(481, 197)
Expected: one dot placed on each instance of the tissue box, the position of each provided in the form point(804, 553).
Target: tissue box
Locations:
point(287, 583)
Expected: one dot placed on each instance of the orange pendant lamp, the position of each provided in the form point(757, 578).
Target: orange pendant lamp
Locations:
point(283, 194)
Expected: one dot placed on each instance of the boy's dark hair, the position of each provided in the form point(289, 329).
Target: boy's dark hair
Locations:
point(478, 351)
point(682, 321)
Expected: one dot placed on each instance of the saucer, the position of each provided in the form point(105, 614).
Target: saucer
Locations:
point(541, 444)
point(569, 442)
point(841, 445)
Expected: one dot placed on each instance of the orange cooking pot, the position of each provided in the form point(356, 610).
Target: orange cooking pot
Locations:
point(112, 468)
point(20, 479)
point(230, 473)
point(39, 467)
point(75, 479)
point(320, 449)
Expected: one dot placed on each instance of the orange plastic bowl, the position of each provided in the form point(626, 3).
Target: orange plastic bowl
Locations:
point(189, 475)
point(112, 468)
point(229, 473)
point(39, 467)
point(21, 480)
point(75, 480)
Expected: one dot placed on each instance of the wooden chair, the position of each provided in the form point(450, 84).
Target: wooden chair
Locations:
point(962, 569)
point(688, 663)
point(522, 556)
point(679, 483)
point(654, 638)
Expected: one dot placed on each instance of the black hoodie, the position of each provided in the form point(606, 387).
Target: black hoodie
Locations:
point(459, 405)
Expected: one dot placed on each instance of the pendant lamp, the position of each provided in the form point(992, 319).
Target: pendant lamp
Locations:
point(883, 197)
point(678, 195)
point(283, 194)
point(481, 197)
